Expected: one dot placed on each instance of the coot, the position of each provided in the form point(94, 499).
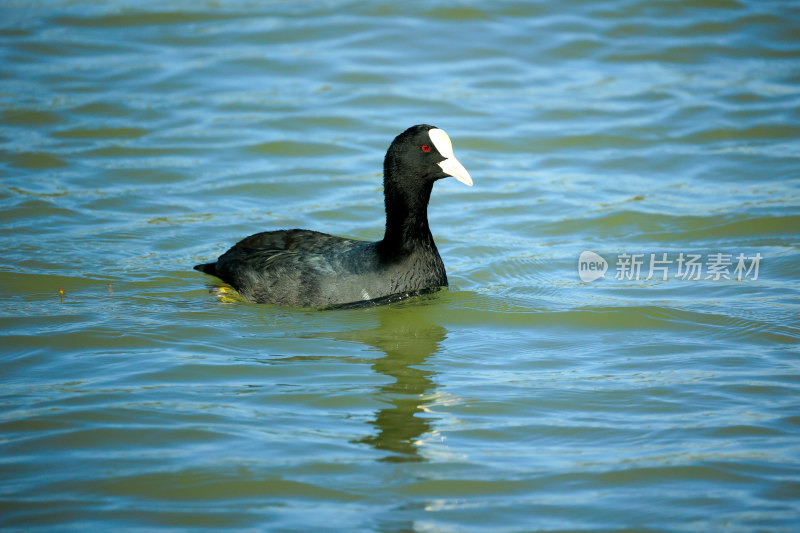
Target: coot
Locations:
point(304, 268)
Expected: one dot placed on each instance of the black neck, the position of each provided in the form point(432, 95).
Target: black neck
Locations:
point(407, 222)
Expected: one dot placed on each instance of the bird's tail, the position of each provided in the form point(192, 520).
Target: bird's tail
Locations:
point(207, 268)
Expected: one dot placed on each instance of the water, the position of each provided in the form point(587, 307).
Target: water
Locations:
point(140, 138)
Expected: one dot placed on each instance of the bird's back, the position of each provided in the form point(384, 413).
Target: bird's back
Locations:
point(303, 268)
point(283, 267)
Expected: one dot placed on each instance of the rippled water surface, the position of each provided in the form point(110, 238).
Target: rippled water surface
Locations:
point(140, 138)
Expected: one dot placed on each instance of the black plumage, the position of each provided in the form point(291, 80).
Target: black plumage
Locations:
point(304, 268)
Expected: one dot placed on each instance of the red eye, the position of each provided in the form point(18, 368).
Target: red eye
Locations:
point(426, 148)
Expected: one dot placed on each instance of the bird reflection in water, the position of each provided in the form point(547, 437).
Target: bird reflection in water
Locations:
point(408, 337)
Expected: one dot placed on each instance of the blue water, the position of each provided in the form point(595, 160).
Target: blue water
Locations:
point(141, 138)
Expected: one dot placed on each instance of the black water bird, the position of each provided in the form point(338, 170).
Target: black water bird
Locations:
point(304, 268)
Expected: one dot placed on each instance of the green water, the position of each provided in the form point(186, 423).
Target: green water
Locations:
point(140, 138)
